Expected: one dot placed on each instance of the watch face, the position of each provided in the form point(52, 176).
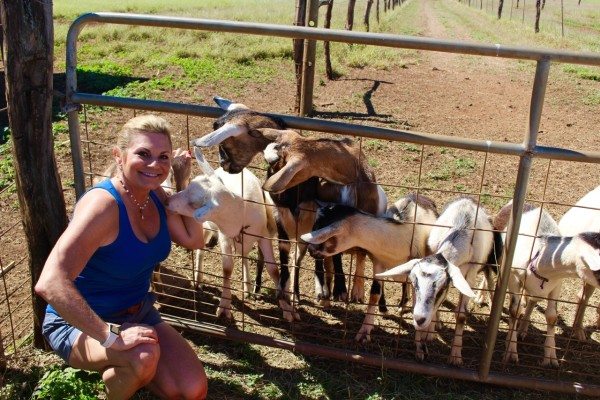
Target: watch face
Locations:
point(116, 329)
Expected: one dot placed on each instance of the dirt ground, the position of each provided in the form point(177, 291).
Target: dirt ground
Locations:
point(446, 94)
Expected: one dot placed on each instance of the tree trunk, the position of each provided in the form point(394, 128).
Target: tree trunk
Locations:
point(500, 5)
point(543, 4)
point(368, 14)
point(326, 47)
point(299, 20)
point(350, 15)
point(28, 56)
point(538, 12)
point(517, 4)
point(377, 12)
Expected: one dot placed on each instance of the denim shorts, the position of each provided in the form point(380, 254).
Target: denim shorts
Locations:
point(61, 336)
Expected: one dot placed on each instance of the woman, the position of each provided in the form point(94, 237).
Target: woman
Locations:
point(98, 275)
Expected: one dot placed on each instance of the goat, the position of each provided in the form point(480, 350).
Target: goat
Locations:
point(210, 197)
point(239, 139)
point(349, 180)
point(461, 242)
point(584, 216)
point(236, 134)
point(389, 240)
point(542, 261)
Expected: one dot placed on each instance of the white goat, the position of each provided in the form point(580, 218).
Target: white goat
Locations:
point(388, 240)
point(542, 261)
point(461, 242)
point(242, 218)
point(236, 133)
point(584, 216)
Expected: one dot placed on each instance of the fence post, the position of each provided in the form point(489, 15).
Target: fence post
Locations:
point(535, 113)
point(72, 109)
point(308, 70)
point(28, 61)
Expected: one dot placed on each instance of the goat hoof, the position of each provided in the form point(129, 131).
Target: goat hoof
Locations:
point(343, 297)
point(579, 334)
point(549, 362)
point(325, 303)
point(364, 334)
point(510, 357)
point(455, 360)
point(224, 313)
point(422, 352)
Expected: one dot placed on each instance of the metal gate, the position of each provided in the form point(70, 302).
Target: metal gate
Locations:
point(330, 333)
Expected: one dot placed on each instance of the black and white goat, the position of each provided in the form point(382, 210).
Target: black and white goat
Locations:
point(542, 261)
point(400, 235)
point(461, 243)
point(241, 211)
point(584, 216)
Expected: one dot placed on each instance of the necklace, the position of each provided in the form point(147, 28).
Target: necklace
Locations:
point(141, 207)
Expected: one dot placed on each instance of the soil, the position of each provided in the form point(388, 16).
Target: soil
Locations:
point(441, 93)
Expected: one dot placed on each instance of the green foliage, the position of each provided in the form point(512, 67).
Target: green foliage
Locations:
point(7, 169)
point(69, 383)
point(582, 72)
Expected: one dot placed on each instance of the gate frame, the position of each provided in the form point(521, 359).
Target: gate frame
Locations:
point(526, 151)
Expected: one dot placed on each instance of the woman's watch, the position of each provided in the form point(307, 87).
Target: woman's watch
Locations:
point(113, 334)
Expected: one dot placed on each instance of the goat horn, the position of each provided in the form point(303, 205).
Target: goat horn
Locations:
point(227, 104)
point(216, 137)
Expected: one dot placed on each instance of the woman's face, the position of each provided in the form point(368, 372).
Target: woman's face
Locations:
point(147, 160)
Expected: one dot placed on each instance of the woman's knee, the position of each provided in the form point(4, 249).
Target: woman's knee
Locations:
point(195, 388)
point(144, 361)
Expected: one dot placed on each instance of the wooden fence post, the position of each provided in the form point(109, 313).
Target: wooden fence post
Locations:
point(299, 20)
point(308, 71)
point(28, 56)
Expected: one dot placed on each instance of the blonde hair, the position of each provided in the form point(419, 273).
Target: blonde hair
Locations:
point(142, 123)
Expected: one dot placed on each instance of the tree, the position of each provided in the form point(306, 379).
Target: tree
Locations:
point(500, 5)
point(326, 45)
point(28, 57)
point(368, 14)
point(350, 15)
point(538, 12)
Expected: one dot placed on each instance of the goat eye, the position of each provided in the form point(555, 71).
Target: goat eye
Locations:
point(254, 133)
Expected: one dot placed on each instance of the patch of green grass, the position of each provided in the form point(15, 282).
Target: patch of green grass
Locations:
point(459, 167)
point(583, 72)
point(373, 163)
point(592, 99)
point(375, 144)
point(68, 383)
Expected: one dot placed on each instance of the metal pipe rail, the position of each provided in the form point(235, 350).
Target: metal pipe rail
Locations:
point(526, 151)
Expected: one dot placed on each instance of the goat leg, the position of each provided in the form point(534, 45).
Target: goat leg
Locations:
point(339, 279)
point(364, 333)
point(550, 358)
point(584, 298)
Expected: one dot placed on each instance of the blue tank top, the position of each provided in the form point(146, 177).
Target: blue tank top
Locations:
point(117, 276)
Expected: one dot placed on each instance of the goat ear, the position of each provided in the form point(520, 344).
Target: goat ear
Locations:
point(280, 180)
point(591, 258)
point(228, 105)
point(201, 214)
point(320, 235)
point(204, 165)
point(218, 136)
point(400, 270)
point(459, 281)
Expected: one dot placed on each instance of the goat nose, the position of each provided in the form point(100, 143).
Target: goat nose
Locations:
point(420, 321)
